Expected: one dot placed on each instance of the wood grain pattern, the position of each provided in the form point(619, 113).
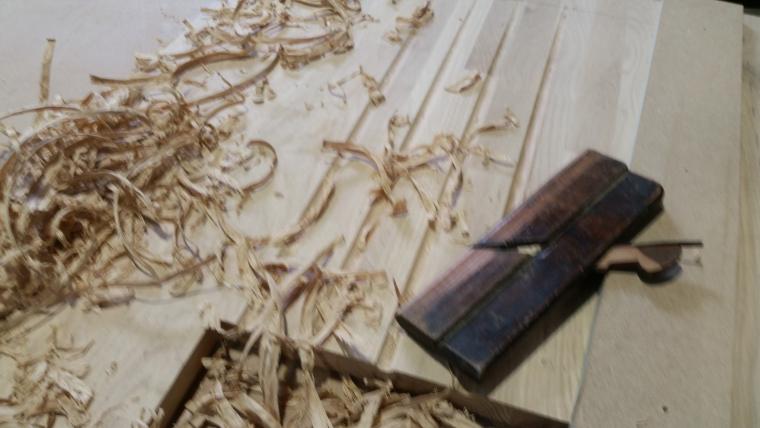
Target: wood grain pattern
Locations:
point(745, 396)
point(599, 73)
point(661, 356)
point(405, 96)
point(548, 378)
point(396, 241)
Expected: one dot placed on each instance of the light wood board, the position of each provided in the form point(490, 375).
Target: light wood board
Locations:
point(662, 356)
point(574, 72)
point(557, 65)
point(745, 396)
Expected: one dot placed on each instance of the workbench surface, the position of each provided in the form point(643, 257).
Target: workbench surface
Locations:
point(577, 74)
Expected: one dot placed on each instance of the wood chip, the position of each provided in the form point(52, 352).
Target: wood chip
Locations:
point(399, 208)
point(464, 84)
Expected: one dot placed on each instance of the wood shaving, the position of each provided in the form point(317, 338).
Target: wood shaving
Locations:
point(149, 418)
point(337, 89)
point(394, 165)
point(310, 396)
point(508, 121)
point(365, 235)
point(373, 88)
point(464, 84)
point(408, 26)
point(445, 216)
point(318, 206)
point(47, 61)
point(329, 300)
point(270, 315)
point(263, 92)
point(394, 124)
point(48, 385)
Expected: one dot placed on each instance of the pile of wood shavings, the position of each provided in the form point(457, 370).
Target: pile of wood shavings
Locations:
point(48, 385)
point(328, 298)
point(280, 387)
point(84, 189)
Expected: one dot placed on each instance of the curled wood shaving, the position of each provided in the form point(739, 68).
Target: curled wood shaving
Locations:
point(445, 216)
point(330, 299)
point(317, 207)
point(89, 180)
point(508, 121)
point(407, 26)
point(337, 90)
point(227, 414)
point(394, 165)
point(464, 84)
point(373, 88)
point(139, 80)
point(82, 193)
point(394, 124)
point(279, 301)
point(365, 235)
point(372, 403)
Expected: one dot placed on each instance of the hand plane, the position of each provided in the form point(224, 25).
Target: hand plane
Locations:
point(577, 225)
